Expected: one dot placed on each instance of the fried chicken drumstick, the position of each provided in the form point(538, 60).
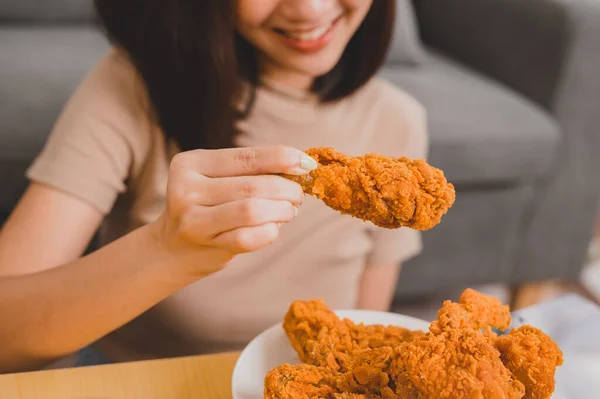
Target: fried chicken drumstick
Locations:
point(389, 192)
point(455, 359)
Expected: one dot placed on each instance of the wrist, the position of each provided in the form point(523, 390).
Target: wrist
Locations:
point(166, 261)
point(183, 260)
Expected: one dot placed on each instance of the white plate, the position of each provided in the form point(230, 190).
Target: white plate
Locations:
point(271, 348)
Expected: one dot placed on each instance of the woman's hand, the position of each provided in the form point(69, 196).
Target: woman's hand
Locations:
point(221, 203)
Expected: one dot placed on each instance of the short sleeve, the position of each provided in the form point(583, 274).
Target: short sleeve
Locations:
point(98, 137)
point(402, 132)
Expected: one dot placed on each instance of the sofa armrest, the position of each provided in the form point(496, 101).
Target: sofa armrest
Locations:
point(547, 50)
point(522, 44)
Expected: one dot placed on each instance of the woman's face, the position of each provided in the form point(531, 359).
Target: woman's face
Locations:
point(299, 40)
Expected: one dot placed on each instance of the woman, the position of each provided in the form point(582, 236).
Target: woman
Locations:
point(174, 144)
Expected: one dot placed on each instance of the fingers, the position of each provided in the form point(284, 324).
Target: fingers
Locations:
point(222, 190)
point(249, 213)
point(246, 161)
point(233, 198)
point(207, 223)
point(248, 239)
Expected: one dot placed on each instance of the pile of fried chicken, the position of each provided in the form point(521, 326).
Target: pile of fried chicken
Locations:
point(389, 192)
point(459, 357)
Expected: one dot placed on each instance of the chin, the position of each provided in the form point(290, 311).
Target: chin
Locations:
point(317, 73)
point(314, 69)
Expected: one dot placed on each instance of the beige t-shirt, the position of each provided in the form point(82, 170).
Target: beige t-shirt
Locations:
point(106, 150)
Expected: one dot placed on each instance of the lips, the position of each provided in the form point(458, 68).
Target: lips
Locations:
point(308, 35)
point(308, 41)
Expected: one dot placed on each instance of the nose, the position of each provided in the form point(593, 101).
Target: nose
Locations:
point(306, 11)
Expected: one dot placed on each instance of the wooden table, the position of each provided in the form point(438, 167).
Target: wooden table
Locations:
point(198, 377)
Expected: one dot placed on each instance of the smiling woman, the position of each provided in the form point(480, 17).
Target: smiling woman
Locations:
point(301, 42)
point(207, 52)
point(176, 144)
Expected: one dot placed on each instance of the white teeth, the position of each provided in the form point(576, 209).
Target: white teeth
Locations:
point(310, 35)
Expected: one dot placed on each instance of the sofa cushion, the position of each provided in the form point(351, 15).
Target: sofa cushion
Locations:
point(39, 69)
point(46, 11)
point(474, 244)
point(406, 47)
point(481, 131)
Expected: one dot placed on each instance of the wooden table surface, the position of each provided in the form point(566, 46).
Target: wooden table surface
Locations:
point(198, 377)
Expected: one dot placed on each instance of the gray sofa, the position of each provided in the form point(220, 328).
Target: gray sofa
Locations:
point(513, 99)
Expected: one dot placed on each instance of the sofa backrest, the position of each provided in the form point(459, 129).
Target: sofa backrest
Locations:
point(406, 47)
point(46, 11)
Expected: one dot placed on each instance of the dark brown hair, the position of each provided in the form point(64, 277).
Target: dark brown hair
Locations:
point(193, 62)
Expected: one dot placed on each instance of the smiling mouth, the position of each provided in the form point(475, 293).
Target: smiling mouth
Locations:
point(309, 35)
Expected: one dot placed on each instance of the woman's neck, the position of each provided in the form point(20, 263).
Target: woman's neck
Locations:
point(285, 77)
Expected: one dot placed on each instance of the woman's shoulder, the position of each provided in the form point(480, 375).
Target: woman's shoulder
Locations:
point(117, 60)
point(115, 91)
point(109, 105)
point(116, 73)
point(101, 138)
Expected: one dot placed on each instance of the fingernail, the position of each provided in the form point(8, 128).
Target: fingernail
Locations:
point(307, 162)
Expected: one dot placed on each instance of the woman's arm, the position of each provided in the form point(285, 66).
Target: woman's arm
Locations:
point(52, 305)
point(30, 240)
point(49, 310)
point(377, 287)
